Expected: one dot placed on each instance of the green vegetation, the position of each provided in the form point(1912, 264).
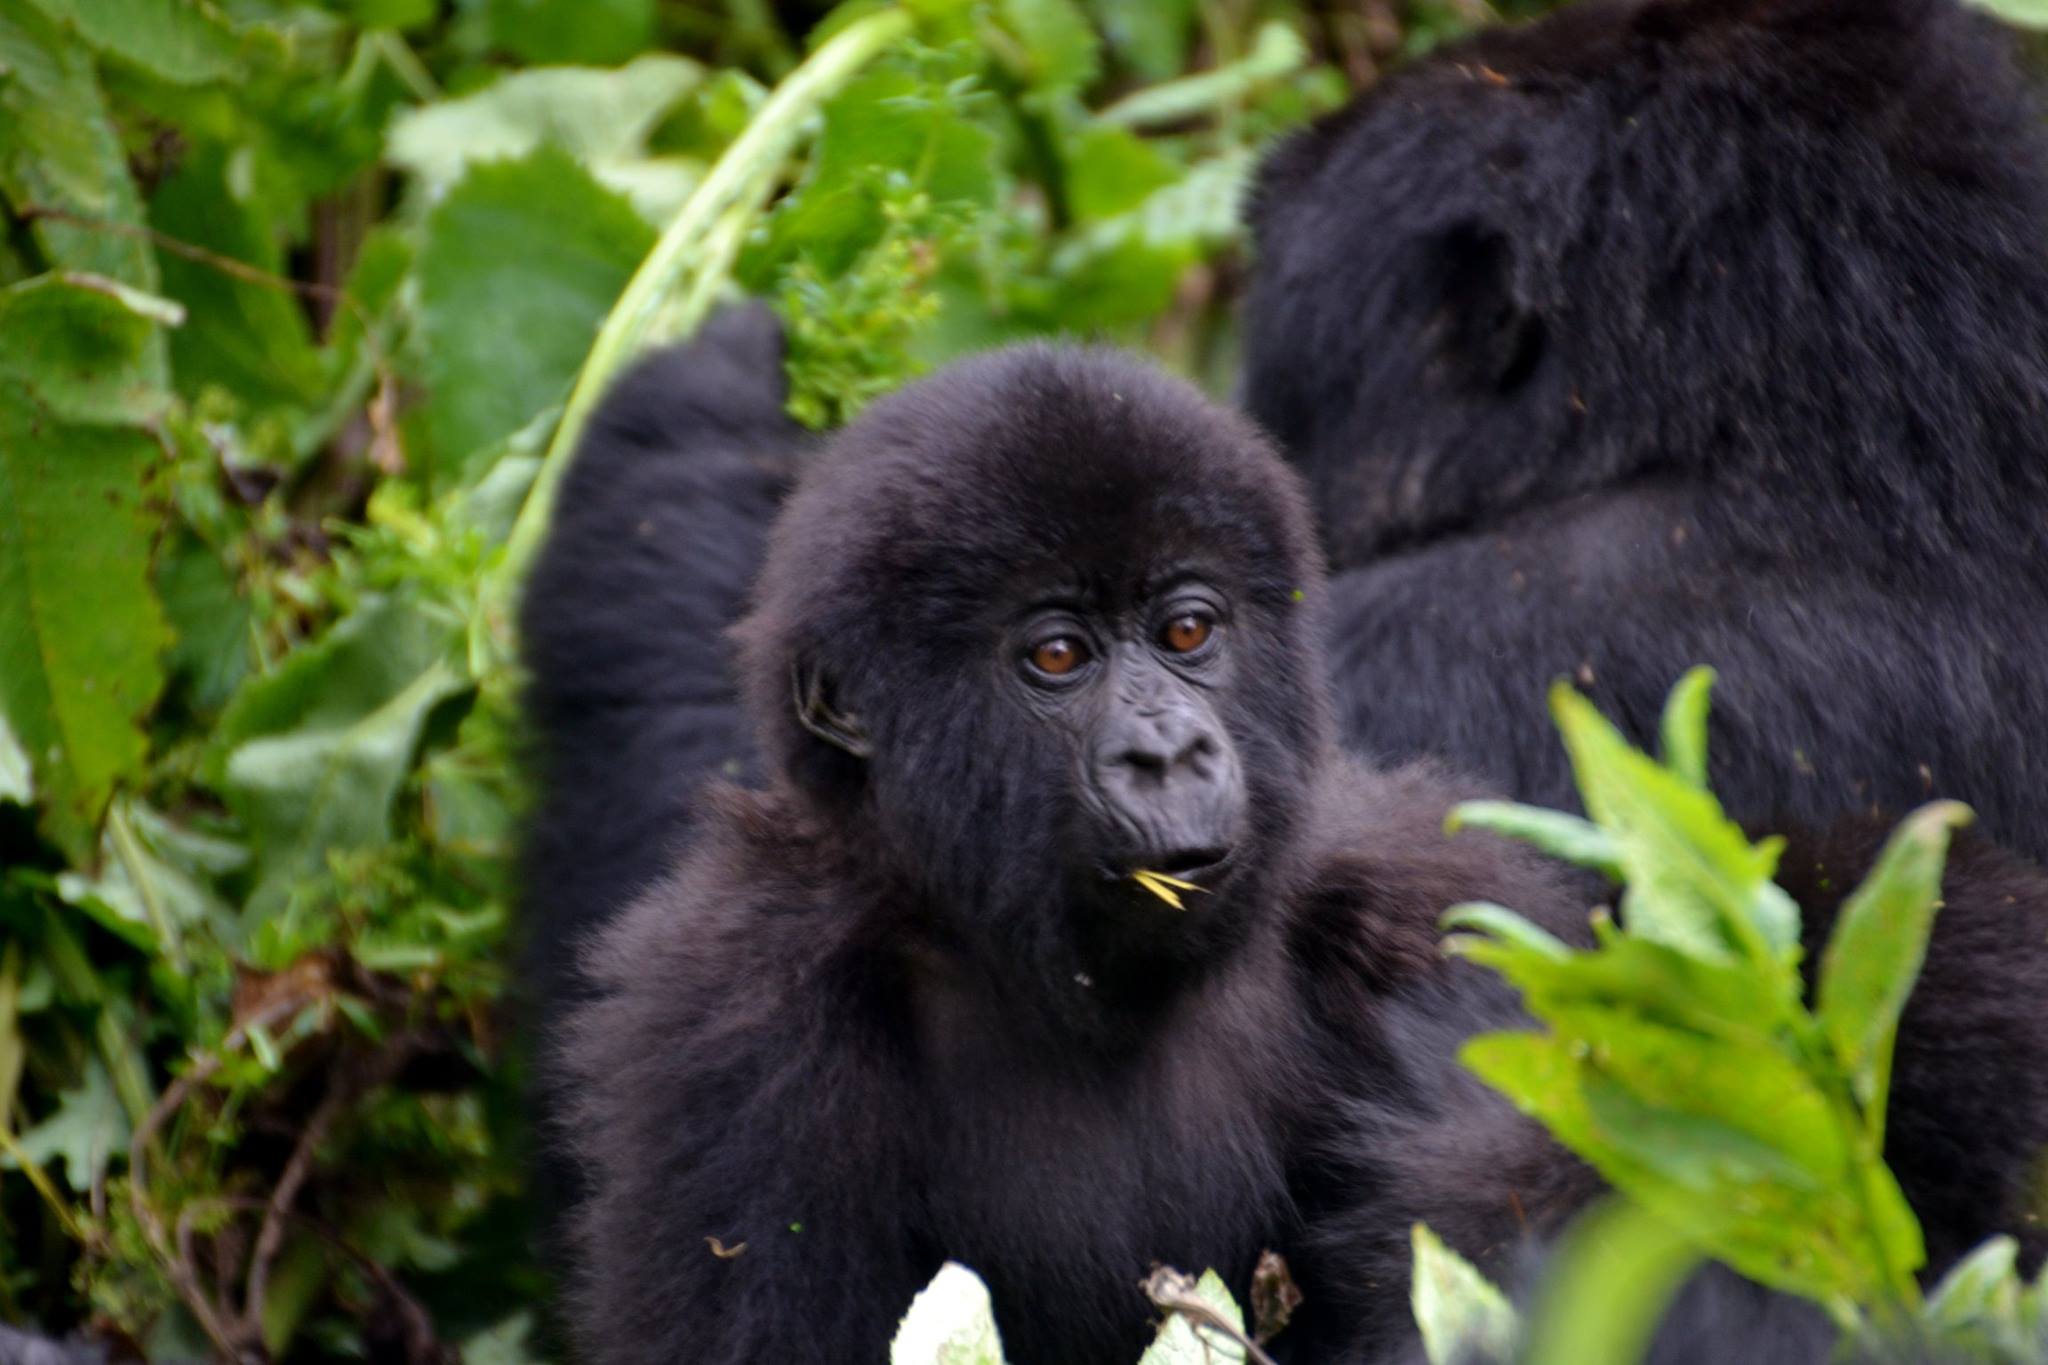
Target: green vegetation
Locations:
point(1681, 1058)
point(301, 305)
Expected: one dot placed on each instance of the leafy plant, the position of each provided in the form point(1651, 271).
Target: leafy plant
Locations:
point(1680, 1057)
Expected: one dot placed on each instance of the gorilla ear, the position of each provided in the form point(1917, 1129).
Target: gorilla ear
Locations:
point(1494, 334)
point(815, 712)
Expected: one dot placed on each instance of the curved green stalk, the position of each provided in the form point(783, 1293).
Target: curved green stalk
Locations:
point(745, 169)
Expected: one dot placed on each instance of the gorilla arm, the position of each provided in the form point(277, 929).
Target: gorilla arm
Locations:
point(739, 1119)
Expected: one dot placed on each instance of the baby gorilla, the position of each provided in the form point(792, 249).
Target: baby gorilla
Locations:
point(1026, 628)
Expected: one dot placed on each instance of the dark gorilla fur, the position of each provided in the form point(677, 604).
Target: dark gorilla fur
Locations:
point(1691, 331)
point(877, 1017)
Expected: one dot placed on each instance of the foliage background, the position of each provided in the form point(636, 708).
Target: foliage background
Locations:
point(292, 295)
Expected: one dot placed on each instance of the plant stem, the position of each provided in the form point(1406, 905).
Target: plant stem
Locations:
point(764, 143)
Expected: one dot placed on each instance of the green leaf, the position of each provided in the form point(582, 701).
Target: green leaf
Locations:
point(1979, 1291)
point(85, 345)
point(1111, 171)
point(2027, 13)
point(181, 41)
point(590, 32)
point(887, 122)
point(1461, 1314)
point(87, 1130)
point(81, 635)
point(600, 117)
point(1614, 1273)
point(17, 781)
point(1560, 835)
point(58, 152)
point(1684, 727)
point(1059, 47)
point(1181, 1342)
point(1879, 941)
point(1151, 36)
point(522, 261)
point(152, 885)
point(250, 338)
point(950, 1322)
point(1694, 880)
point(317, 749)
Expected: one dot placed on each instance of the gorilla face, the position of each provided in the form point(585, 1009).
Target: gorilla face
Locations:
point(1157, 775)
point(1052, 620)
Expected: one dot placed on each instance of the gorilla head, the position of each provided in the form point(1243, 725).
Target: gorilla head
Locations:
point(1034, 625)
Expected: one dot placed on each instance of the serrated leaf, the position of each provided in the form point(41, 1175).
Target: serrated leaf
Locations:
point(181, 41)
point(1683, 730)
point(1874, 955)
point(316, 750)
point(1693, 878)
point(1181, 1342)
point(87, 1129)
point(81, 635)
point(522, 261)
point(600, 117)
point(950, 1322)
point(1564, 836)
point(58, 151)
point(84, 344)
point(1462, 1316)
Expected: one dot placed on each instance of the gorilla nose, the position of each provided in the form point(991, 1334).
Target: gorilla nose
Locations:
point(1160, 748)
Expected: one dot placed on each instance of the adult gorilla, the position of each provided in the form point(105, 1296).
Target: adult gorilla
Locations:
point(1690, 331)
point(1024, 629)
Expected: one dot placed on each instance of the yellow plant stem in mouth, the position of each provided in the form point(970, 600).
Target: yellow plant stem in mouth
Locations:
point(1166, 888)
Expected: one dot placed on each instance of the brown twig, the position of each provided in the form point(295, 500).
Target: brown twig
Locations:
point(1174, 1292)
point(385, 451)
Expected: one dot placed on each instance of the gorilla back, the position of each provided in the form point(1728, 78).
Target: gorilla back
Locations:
point(1688, 331)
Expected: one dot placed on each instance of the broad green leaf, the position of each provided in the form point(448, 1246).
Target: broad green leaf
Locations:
point(1181, 1342)
point(211, 623)
point(1564, 836)
point(1694, 879)
point(81, 636)
point(1111, 171)
point(58, 151)
point(1151, 36)
point(249, 338)
point(591, 32)
point(1613, 1275)
point(182, 41)
point(1461, 1314)
point(89, 1129)
point(1684, 726)
point(600, 117)
point(319, 747)
point(85, 345)
point(950, 1322)
point(17, 780)
point(1058, 46)
point(1873, 956)
point(1277, 51)
point(509, 1342)
point(522, 261)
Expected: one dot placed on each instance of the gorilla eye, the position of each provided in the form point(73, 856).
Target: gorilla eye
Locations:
point(1186, 633)
point(1058, 656)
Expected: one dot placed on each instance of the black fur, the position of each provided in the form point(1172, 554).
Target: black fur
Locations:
point(658, 532)
point(873, 1020)
point(1691, 331)
point(877, 1018)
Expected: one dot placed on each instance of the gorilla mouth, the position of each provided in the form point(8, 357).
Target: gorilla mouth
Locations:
point(1191, 864)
